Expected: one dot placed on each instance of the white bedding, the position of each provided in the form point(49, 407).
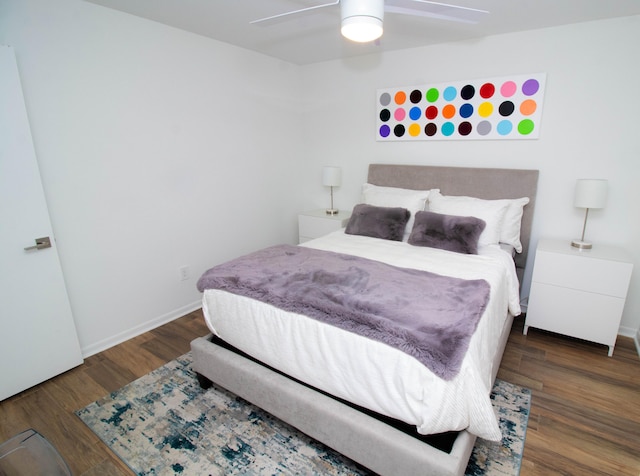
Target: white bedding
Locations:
point(369, 373)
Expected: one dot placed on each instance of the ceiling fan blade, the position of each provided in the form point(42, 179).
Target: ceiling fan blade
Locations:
point(447, 5)
point(294, 12)
point(437, 10)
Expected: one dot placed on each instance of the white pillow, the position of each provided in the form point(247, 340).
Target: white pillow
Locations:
point(491, 211)
point(412, 200)
point(512, 220)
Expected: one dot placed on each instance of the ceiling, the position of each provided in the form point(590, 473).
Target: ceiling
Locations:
point(315, 36)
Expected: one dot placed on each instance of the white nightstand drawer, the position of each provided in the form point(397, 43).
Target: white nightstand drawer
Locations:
point(314, 226)
point(593, 317)
point(585, 273)
point(316, 223)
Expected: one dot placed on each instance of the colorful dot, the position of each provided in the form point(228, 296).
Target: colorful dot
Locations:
point(530, 87)
point(400, 97)
point(466, 110)
point(487, 90)
point(399, 114)
point(415, 96)
point(484, 128)
point(465, 128)
point(504, 127)
point(528, 107)
point(385, 115)
point(525, 127)
point(449, 111)
point(431, 112)
point(398, 131)
point(506, 108)
point(431, 129)
point(508, 89)
point(467, 92)
point(433, 94)
point(485, 109)
point(450, 93)
point(385, 99)
point(414, 130)
point(385, 130)
point(448, 128)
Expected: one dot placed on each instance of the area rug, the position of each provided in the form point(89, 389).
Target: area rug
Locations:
point(165, 424)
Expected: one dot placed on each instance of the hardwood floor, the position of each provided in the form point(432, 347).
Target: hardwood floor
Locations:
point(585, 413)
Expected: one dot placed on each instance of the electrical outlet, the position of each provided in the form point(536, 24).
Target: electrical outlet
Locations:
point(184, 273)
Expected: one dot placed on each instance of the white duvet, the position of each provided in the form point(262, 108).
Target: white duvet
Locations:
point(369, 373)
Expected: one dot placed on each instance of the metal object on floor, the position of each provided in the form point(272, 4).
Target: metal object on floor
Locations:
point(29, 453)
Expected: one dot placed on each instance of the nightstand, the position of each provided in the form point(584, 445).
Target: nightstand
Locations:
point(579, 293)
point(316, 223)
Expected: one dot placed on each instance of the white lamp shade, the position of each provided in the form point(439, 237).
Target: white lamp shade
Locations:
point(590, 193)
point(331, 176)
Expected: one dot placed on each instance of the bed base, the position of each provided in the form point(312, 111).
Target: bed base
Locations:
point(366, 440)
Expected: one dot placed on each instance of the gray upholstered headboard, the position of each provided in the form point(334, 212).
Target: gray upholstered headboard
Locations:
point(474, 182)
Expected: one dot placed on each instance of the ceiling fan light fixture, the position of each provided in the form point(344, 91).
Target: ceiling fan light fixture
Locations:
point(362, 19)
point(361, 28)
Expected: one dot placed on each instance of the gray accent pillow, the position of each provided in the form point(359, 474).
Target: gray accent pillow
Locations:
point(387, 223)
point(447, 232)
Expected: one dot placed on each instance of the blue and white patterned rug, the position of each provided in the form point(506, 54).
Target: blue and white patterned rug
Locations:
point(165, 424)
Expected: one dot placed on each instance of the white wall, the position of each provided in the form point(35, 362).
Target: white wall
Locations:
point(145, 136)
point(589, 127)
point(157, 149)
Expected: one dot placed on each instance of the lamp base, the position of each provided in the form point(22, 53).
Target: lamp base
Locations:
point(332, 211)
point(581, 245)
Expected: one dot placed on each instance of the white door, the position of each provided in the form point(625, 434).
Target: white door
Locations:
point(38, 337)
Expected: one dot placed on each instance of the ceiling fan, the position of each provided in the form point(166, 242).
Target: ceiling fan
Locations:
point(362, 19)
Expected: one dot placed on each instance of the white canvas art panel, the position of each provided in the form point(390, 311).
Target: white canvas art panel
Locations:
point(508, 107)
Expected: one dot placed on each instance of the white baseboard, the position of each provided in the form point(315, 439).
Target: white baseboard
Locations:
point(628, 332)
point(633, 333)
point(105, 344)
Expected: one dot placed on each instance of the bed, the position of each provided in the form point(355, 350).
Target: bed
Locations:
point(368, 424)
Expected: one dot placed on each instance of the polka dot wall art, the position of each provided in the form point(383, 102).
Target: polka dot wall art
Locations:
point(496, 108)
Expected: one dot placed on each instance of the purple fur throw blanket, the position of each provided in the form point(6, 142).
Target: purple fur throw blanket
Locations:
point(426, 315)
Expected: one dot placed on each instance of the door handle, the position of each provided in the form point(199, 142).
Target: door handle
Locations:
point(41, 244)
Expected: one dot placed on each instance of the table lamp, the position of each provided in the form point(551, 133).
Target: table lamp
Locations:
point(589, 193)
point(331, 177)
